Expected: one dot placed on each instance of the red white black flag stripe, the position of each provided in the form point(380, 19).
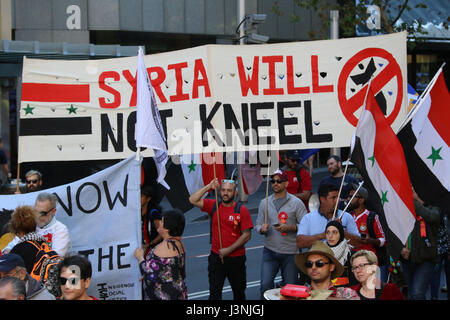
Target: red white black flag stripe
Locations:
point(379, 157)
point(426, 140)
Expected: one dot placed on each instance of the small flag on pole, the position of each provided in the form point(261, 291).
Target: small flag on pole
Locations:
point(149, 129)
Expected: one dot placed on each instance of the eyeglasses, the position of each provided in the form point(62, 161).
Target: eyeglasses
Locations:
point(44, 213)
point(276, 181)
point(34, 181)
point(360, 266)
point(318, 264)
point(72, 281)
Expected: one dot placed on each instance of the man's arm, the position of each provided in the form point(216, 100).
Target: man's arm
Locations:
point(196, 198)
point(304, 241)
point(242, 240)
point(304, 195)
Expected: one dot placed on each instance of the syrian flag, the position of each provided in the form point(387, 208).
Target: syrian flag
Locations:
point(198, 169)
point(379, 157)
point(149, 129)
point(426, 140)
point(191, 173)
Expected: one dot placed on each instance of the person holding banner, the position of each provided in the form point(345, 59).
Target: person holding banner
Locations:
point(230, 231)
point(164, 268)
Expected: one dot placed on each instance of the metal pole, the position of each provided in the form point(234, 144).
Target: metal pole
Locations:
point(334, 34)
point(242, 196)
point(240, 17)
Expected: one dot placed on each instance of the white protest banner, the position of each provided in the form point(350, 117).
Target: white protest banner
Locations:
point(102, 213)
point(253, 97)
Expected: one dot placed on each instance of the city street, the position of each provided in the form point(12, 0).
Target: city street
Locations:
point(196, 241)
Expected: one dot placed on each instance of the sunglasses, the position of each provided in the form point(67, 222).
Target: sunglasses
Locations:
point(318, 264)
point(72, 281)
point(294, 160)
point(228, 181)
point(44, 213)
point(277, 181)
point(32, 181)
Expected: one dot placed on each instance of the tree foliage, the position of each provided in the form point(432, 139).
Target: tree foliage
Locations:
point(352, 14)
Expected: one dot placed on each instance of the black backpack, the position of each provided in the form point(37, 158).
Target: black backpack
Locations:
point(381, 251)
point(237, 209)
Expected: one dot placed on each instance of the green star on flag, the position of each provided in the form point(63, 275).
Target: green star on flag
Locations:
point(384, 197)
point(191, 166)
point(72, 109)
point(434, 156)
point(28, 109)
point(372, 158)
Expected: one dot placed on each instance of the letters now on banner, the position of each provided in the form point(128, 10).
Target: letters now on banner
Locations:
point(212, 98)
point(102, 215)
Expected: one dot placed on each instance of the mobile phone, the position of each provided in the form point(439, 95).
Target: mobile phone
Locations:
point(276, 225)
point(363, 236)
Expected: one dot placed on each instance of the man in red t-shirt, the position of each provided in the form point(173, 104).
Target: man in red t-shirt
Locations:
point(359, 212)
point(229, 235)
point(294, 170)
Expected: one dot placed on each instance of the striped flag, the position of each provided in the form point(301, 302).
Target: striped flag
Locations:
point(426, 140)
point(149, 129)
point(379, 157)
point(192, 173)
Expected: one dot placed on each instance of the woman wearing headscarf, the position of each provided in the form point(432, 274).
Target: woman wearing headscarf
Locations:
point(335, 239)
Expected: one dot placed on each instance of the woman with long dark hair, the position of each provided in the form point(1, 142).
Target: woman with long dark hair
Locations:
point(164, 267)
point(150, 218)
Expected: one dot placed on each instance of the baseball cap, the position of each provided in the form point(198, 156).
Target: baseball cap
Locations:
point(9, 261)
point(293, 154)
point(282, 175)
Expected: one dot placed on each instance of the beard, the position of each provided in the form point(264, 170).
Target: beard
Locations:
point(227, 199)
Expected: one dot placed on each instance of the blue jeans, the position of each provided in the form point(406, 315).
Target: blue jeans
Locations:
point(418, 276)
point(271, 263)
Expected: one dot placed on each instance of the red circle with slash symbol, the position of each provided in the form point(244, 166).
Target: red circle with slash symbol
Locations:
point(390, 70)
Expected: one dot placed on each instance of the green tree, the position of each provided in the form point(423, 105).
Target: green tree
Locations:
point(352, 14)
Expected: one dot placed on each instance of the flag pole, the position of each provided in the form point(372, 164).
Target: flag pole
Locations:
point(18, 178)
point(419, 101)
point(340, 188)
point(348, 160)
point(217, 203)
point(267, 189)
point(345, 209)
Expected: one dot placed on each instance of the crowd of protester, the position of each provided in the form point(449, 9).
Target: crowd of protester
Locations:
point(336, 254)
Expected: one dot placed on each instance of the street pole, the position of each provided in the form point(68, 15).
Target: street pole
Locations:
point(242, 196)
point(334, 34)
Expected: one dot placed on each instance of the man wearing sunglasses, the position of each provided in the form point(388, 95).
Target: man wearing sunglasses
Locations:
point(54, 231)
point(284, 213)
point(227, 257)
point(298, 177)
point(321, 266)
point(33, 181)
point(75, 274)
